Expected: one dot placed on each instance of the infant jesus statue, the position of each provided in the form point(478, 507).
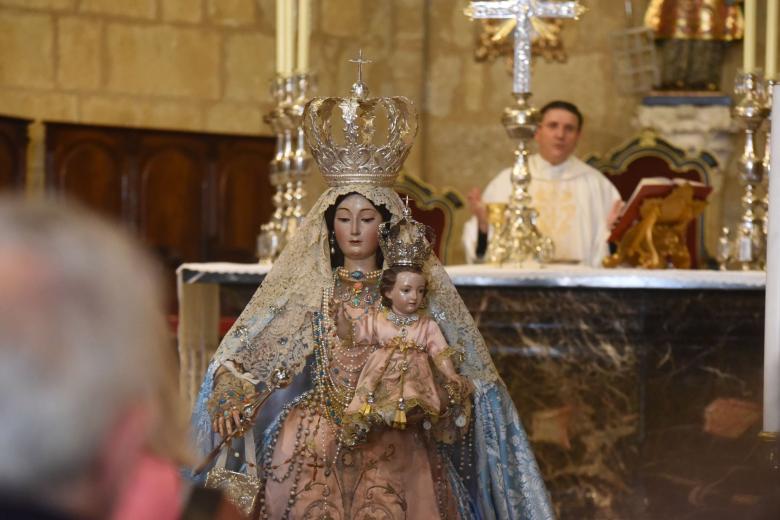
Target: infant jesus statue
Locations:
point(410, 376)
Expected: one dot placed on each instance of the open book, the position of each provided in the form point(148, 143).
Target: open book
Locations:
point(652, 187)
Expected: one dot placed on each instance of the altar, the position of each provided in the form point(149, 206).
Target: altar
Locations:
point(640, 390)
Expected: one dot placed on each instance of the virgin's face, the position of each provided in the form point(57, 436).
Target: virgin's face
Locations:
point(356, 226)
point(407, 293)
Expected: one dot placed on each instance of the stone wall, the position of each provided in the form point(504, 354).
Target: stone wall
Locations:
point(176, 64)
point(206, 65)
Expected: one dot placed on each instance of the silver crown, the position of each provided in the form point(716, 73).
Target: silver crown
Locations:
point(404, 241)
point(358, 160)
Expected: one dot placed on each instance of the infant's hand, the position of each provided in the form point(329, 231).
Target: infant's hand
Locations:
point(462, 386)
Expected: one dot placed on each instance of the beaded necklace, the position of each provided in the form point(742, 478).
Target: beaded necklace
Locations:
point(335, 396)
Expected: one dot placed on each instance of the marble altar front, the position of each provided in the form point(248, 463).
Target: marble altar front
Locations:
point(640, 390)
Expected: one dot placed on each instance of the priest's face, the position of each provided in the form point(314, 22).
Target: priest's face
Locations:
point(557, 135)
point(356, 226)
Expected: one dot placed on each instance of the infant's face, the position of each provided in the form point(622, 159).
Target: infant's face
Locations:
point(407, 293)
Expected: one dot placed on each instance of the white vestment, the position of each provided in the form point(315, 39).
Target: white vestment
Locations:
point(573, 200)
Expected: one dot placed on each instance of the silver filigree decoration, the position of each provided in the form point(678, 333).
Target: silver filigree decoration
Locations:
point(439, 316)
point(359, 160)
point(241, 333)
point(404, 241)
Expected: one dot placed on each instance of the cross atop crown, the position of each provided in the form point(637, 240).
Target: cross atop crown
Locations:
point(360, 62)
point(359, 88)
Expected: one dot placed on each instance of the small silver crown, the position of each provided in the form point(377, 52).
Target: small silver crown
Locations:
point(358, 160)
point(404, 241)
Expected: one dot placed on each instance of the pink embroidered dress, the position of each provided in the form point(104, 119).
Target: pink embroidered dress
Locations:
point(309, 472)
point(397, 379)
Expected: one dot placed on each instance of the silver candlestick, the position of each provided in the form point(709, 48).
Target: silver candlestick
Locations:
point(300, 158)
point(518, 239)
point(289, 165)
point(750, 113)
point(766, 162)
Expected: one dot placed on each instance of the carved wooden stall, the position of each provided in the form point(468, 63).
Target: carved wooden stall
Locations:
point(13, 152)
point(191, 197)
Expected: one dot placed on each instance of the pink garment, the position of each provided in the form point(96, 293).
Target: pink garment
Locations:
point(154, 492)
point(399, 369)
point(395, 475)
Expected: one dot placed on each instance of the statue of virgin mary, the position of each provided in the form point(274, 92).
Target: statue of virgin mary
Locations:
point(311, 464)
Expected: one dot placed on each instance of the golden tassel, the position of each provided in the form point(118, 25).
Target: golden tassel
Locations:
point(365, 409)
point(400, 419)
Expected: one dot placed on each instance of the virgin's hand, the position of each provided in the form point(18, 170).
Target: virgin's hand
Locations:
point(225, 426)
point(333, 306)
point(343, 325)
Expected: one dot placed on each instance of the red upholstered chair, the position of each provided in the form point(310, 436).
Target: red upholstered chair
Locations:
point(650, 156)
point(431, 208)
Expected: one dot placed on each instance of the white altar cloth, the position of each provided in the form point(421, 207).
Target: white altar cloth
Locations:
point(561, 275)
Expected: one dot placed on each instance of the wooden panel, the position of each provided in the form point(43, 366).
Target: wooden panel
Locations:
point(8, 166)
point(243, 197)
point(172, 182)
point(91, 166)
point(189, 196)
point(13, 152)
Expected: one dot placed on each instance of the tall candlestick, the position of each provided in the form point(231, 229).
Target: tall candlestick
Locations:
point(304, 32)
point(771, 38)
point(749, 42)
point(772, 314)
point(279, 36)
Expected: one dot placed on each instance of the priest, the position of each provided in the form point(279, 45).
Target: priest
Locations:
point(576, 203)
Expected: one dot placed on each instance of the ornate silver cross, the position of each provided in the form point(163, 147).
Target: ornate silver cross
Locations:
point(522, 11)
point(360, 62)
point(359, 88)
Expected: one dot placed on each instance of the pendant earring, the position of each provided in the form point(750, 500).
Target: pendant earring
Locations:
point(332, 241)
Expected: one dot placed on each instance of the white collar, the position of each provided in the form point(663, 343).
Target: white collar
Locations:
point(568, 169)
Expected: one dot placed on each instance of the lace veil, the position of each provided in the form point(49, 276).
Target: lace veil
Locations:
point(275, 329)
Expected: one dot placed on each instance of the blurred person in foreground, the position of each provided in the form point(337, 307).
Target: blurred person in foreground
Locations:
point(90, 424)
